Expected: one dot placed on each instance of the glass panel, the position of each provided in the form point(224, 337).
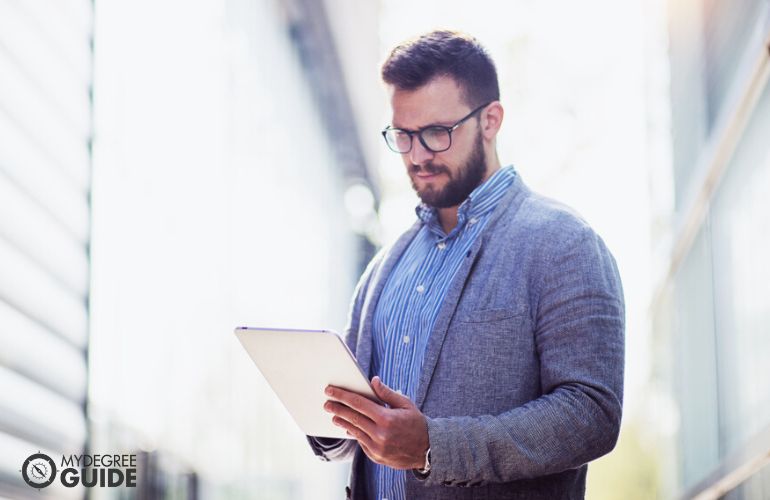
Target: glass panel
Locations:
point(728, 26)
point(688, 100)
point(741, 245)
point(695, 370)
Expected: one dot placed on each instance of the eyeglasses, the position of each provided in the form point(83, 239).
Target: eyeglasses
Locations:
point(434, 138)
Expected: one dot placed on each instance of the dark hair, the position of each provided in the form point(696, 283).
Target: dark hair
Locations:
point(416, 62)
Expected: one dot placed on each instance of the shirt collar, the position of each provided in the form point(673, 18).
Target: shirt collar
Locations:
point(480, 202)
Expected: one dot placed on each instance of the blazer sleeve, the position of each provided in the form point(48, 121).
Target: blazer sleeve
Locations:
point(334, 449)
point(579, 326)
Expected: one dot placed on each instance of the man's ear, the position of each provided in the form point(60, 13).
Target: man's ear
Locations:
point(491, 120)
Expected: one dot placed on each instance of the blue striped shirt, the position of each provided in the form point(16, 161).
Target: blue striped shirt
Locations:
point(412, 297)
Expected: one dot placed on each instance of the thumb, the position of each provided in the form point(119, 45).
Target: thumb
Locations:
point(388, 395)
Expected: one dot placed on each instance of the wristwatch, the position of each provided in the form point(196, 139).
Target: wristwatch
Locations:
point(425, 468)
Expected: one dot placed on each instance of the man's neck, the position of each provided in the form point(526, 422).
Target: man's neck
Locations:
point(447, 217)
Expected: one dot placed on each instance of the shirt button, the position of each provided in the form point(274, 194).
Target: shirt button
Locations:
point(420, 289)
point(406, 339)
point(473, 220)
point(441, 245)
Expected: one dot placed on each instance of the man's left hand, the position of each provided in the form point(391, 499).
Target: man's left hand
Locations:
point(395, 436)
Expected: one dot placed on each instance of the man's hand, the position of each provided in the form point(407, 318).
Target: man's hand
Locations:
point(395, 436)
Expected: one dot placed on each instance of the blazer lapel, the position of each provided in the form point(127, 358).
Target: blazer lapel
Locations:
point(442, 321)
point(455, 291)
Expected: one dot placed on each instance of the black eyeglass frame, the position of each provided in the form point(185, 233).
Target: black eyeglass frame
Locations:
point(418, 133)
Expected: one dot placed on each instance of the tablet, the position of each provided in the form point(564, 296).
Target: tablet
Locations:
point(298, 365)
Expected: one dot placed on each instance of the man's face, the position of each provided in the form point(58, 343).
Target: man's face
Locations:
point(442, 179)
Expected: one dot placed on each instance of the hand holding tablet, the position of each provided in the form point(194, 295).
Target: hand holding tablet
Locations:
point(299, 365)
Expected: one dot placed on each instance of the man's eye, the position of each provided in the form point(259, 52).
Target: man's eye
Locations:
point(433, 132)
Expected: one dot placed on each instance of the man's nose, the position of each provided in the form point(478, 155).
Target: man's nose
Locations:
point(419, 155)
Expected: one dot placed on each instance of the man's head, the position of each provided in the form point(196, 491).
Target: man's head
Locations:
point(440, 79)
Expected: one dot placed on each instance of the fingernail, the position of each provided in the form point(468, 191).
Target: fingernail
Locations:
point(328, 391)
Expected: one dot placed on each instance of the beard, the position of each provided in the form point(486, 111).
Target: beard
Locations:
point(460, 185)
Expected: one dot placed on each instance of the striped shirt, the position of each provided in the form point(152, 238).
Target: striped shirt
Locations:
point(412, 297)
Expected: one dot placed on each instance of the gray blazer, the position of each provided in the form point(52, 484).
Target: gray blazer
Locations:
point(522, 381)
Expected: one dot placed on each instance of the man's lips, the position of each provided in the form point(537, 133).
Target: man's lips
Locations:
point(426, 175)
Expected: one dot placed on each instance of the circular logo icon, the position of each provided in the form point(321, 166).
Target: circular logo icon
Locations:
point(39, 470)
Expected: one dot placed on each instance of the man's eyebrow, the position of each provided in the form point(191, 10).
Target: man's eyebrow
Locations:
point(434, 124)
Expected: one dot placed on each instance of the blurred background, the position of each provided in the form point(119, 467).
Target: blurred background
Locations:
point(172, 169)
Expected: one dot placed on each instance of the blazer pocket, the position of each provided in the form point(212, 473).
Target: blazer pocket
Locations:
point(487, 315)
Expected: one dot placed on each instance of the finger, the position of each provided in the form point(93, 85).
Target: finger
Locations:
point(385, 393)
point(357, 419)
point(353, 431)
point(356, 401)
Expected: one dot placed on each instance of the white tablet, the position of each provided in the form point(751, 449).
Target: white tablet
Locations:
point(298, 365)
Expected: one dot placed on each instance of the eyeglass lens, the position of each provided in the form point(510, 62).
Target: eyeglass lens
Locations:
point(435, 139)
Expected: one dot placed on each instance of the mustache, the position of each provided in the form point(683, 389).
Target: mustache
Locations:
point(428, 168)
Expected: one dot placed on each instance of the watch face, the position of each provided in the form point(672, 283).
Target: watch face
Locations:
point(39, 470)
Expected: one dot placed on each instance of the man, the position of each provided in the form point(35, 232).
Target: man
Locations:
point(493, 328)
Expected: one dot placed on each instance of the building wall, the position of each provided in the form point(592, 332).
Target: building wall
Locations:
point(717, 313)
point(219, 201)
point(45, 184)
